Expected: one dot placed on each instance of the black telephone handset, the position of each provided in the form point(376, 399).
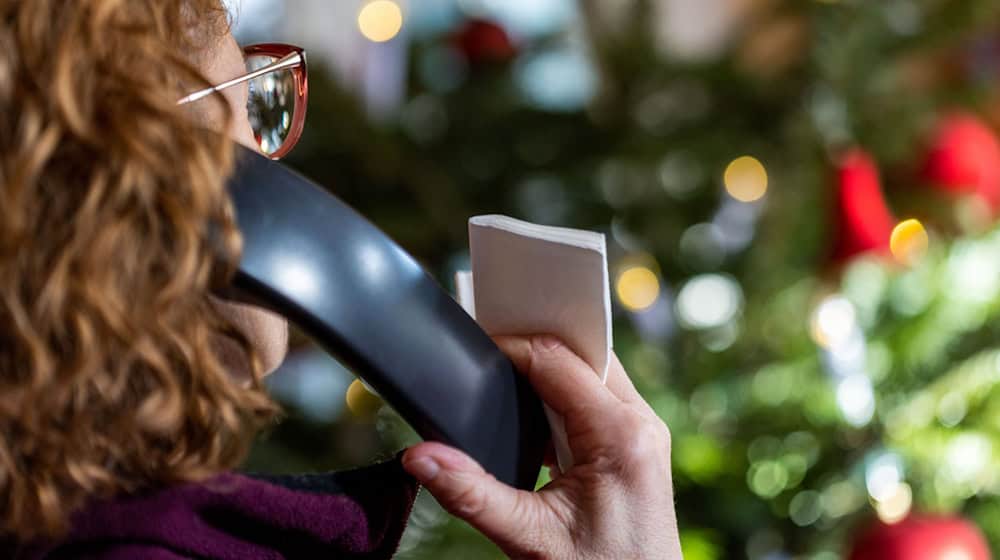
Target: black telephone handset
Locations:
point(314, 260)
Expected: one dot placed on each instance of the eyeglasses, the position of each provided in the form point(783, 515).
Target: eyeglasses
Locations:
point(276, 76)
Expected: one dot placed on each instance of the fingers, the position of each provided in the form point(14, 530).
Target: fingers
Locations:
point(521, 352)
point(502, 513)
point(619, 383)
point(561, 378)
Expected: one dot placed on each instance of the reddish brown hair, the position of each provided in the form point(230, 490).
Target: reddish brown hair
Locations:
point(112, 215)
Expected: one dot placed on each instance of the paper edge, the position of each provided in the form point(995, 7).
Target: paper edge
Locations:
point(607, 317)
point(465, 291)
point(582, 239)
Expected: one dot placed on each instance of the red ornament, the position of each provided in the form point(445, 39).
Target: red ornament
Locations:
point(964, 158)
point(863, 221)
point(922, 538)
point(483, 41)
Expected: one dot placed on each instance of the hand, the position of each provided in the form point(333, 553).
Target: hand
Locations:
point(616, 502)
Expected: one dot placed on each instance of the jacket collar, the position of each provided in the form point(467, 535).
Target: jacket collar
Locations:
point(355, 514)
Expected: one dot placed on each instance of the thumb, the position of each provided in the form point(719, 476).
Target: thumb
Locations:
point(503, 513)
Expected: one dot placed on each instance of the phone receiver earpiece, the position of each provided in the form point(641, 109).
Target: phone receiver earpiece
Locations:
point(314, 260)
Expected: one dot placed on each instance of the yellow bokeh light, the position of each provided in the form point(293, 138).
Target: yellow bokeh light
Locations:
point(360, 401)
point(897, 506)
point(908, 242)
point(637, 287)
point(745, 179)
point(380, 20)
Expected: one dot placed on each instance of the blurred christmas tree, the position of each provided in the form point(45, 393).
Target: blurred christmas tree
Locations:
point(819, 370)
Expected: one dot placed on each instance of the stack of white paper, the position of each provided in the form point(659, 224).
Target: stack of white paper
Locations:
point(532, 279)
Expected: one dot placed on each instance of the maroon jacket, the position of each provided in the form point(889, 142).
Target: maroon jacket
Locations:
point(357, 514)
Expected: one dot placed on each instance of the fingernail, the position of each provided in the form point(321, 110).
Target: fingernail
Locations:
point(549, 342)
point(425, 468)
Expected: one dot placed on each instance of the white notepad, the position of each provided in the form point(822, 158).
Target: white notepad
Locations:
point(533, 279)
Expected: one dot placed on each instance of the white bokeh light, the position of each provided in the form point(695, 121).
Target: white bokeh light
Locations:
point(848, 357)
point(967, 457)
point(834, 322)
point(883, 475)
point(973, 272)
point(856, 399)
point(897, 506)
point(708, 301)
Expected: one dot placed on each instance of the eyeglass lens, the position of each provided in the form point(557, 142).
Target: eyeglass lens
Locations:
point(271, 104)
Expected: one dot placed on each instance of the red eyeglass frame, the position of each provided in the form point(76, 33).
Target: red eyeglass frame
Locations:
point(288, 57)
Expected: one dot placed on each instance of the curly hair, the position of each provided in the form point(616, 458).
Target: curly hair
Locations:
point(113, 218)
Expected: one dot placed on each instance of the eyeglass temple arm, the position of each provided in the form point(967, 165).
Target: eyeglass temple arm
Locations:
point(290, 60)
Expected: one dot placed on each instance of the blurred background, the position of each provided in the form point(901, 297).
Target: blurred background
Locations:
point(799, 197)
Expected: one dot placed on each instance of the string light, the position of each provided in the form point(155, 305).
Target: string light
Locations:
point(360, 401)
point(637, 287)
point(746, 179)
point(380, 20)
point(908, 242)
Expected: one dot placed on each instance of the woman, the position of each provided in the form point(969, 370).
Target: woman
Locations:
point(128, 391)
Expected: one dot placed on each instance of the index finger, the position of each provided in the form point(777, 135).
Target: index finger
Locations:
point(561, 378)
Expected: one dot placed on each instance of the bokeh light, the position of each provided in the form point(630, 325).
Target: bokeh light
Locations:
point(767, 478)
point(842, 498)
point(708, 301)
point(890, 495)
point(746, 179)
point(737, 223)
point(701, 544)
point(380, 20)
point(856, 399)
point(362, 402)
point(806, 508)
point(908, 242)
point(951, 409)
point(972, 273)
point(833, 322)
point(311, 381)
point(897, 505)
point(637, 287)
point(560, 79)
point(883, 474)
point(966, 461)
point(702, 245)
point(680, 173)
